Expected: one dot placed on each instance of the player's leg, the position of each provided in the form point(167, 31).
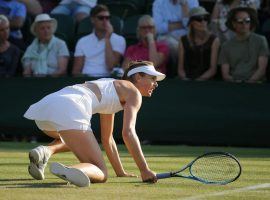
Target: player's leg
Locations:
point(40, 155)
point(85, 147)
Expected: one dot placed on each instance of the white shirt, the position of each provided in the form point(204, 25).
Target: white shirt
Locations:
point(94, 51)
point(90, 3)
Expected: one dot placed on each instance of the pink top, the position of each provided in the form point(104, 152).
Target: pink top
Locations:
point(140, 52)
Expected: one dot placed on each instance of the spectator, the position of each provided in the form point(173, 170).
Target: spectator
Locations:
point(264, 12)
point(33, 7)
point(258, 3)
point(264, 19)
point(245, 56)
point(47, 54)
point(16, 14)
point(78, 8)
point(99, 52)
point(148, 48)
point(48, 5)
point(9, 53)
point(219, 16)
point(198, 51)
point(171, 17)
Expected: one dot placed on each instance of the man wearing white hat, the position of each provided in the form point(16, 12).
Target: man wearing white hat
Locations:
point(47, 55)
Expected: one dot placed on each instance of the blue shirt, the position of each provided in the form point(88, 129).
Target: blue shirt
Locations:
point(12, 9)
point(164, 12)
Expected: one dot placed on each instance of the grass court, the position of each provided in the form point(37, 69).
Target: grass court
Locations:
point(253, 184)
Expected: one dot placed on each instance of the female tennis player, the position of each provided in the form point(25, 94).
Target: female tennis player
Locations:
point(66, 116)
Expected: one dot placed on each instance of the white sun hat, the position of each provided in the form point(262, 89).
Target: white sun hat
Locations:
point(43, 18)
point(148, 69)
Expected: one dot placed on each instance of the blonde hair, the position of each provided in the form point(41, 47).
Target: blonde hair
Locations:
point(3, 18)
point(133, 65)
point(145, 19)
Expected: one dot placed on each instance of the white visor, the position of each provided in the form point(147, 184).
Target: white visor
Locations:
point(148, 69)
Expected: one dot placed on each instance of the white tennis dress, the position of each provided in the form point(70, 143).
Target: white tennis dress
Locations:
point(72, 107)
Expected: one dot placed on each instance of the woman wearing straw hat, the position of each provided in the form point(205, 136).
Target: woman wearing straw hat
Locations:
point(198, 50)
point(245, 56)
point(66, 116)
point(47, 54)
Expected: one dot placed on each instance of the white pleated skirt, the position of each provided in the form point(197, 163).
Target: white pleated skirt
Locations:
point(66, 109)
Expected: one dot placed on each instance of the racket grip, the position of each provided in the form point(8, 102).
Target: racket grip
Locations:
point(164, 175)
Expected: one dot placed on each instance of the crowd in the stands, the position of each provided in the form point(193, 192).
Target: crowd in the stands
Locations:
point(97, 38)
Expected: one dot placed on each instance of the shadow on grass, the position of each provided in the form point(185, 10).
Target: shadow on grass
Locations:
point(12, 164)
point(16, 179)
point(35, 185)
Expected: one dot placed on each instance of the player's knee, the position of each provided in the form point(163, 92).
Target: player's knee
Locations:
point(102, 178)
point(105, 177)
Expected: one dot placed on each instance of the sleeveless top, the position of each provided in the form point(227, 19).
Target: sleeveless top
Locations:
point(109, 102)
point(197, 58)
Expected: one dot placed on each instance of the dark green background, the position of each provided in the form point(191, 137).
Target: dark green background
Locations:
point(183, 112)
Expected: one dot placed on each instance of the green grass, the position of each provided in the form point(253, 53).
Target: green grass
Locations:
point(15, 183)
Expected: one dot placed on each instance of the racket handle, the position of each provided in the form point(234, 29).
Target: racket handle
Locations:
point(164, 175)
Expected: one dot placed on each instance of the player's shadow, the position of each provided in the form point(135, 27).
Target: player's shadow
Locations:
point(28, 183)
point(15, 179)
point(34, 185)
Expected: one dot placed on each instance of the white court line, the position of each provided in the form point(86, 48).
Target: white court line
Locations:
point(253, 187)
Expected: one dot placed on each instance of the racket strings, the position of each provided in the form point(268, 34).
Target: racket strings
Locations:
point(215, 168)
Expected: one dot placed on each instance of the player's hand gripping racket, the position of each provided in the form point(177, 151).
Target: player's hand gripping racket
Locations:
point(210, 168)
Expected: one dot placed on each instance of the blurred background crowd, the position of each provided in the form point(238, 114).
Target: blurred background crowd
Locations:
point(189, 39)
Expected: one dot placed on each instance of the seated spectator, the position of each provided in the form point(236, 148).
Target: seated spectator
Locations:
point(264, 12)
point(9, 53)
point(16, 14)
point(33, 7)
point(99, 52)
point(48, 5)
point(47, 54)
point(257, 3)
point(219, 16)
point(78, 8)
point(171, 17)
point(245, 56)
point(198, 51)
point(148, 48)
point(265, 19)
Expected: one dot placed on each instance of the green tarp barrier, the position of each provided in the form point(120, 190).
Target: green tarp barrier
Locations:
point(183, 112)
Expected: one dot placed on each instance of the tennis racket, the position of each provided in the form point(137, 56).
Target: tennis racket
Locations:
point(210, 168)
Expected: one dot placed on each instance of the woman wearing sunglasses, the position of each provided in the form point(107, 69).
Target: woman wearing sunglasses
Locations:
point(220, 13)
point(244, 57)
point(198, 50)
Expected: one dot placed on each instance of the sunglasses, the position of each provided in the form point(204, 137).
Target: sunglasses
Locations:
point(243, 21)
point(101, 18)
point(200, 18)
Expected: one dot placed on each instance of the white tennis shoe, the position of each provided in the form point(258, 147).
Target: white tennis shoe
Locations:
point(72, 175)
point(39, 157)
